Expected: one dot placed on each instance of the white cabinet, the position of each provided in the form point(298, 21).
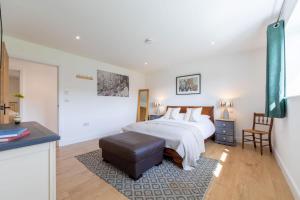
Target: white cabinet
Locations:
point(28, 173)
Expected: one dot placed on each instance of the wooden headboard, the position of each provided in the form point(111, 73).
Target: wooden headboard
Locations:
point(206, 110)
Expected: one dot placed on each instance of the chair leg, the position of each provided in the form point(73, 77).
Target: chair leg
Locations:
point(261, 144)
point(243, 140)
point(270, 143)
point(254, 142)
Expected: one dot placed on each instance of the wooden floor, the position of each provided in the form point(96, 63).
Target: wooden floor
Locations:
point(241, 174)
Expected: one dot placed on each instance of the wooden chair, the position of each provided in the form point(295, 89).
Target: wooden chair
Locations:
point(259, 119)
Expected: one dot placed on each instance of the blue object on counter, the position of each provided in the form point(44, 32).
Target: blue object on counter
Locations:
point(11, 132)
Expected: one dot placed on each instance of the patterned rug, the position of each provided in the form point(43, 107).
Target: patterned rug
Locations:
point(163, 182)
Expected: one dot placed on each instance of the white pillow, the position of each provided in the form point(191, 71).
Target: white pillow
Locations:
point(193, 114)
point(181, 116)
point(167, 114)
point(203, 118)
point(172, 113)
point(196, 114)
point(175, 114)
point(188, 114)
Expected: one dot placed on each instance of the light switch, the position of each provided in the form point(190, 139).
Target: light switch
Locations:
point(66, 92)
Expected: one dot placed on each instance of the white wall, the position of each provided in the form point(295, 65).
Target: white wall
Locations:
point(82, 114)
point(39, 86)
point(286, 137)
point(240, 77)
point(286, 144)
point(292, 43)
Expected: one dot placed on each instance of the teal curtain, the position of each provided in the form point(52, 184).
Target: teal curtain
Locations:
point(276, 74)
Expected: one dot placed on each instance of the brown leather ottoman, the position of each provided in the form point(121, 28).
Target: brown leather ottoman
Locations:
point(132, 152)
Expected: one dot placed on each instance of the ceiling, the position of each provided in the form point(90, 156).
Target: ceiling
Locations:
point(114, 31)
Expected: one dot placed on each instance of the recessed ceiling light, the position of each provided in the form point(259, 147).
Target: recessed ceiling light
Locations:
point(147, 41)
point(77, 37)
point(212, 42)
point(146, 63)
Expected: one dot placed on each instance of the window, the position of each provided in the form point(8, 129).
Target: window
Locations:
point(293, 53)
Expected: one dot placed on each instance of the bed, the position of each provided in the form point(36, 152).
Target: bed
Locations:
point(184, 140)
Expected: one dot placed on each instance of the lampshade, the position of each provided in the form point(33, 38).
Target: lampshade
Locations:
point(156, 104)
point(226, 103)
point(229, 104)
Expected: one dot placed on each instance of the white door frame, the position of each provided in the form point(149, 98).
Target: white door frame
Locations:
point(21, 89)
point(18, 68)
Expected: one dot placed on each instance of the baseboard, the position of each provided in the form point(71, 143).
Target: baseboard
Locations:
point(64, 142)
point(295, 190)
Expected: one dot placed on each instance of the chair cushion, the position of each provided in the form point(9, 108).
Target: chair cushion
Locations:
point(255, 131)
point(132, 146)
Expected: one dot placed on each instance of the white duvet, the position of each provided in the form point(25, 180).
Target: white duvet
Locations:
point(186, 138)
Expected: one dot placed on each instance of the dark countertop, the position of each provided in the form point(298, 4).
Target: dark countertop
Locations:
point(38, 135)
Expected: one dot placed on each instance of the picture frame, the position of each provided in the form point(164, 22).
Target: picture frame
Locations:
point(188, 84)
point(112, 84)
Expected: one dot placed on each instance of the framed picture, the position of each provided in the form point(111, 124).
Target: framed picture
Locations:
point(111, 84)
point(189, 84)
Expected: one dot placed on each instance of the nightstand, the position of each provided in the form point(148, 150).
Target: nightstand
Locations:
point(225, 133)
point(152, 117)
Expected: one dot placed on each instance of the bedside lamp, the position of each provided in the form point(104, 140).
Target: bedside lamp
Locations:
point(157, 105)
point(226, 104)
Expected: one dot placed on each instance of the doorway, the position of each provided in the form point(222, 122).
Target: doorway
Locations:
point(33, 91)
point(14, 92)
